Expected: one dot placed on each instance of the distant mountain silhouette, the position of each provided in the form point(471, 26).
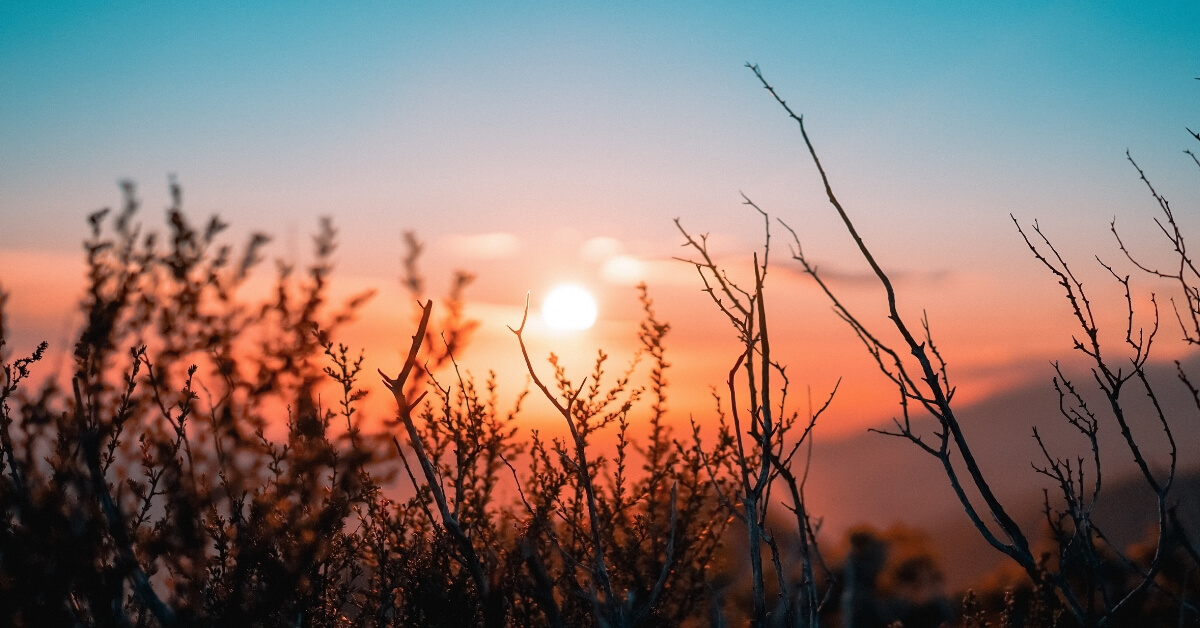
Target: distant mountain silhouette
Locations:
point(881, 480)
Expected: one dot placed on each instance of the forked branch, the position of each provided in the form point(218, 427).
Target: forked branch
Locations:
point(398, 385)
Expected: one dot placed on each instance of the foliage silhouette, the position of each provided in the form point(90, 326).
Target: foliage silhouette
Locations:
point(151, 491)
point(1083, 579)
point(191, 474)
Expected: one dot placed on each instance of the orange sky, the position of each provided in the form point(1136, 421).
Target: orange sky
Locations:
point(995, 330)
point(536, 143)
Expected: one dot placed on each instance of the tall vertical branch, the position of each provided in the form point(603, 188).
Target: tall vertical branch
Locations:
point(934, 395)
point(581, 465)
point(928, 386)
point(399, 386)
point(760, 440)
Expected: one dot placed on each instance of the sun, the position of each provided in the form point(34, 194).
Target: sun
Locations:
point(569, 308)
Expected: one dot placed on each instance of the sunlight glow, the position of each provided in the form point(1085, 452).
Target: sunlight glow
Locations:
point(569, 308)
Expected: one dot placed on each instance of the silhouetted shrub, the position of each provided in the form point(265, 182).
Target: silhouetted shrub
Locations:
point(190, 473)
point(151, 491)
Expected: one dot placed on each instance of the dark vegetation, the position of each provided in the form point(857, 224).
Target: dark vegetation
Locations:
point(148, 491)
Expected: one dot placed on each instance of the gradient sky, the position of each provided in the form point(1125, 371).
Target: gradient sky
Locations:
point(541, 142)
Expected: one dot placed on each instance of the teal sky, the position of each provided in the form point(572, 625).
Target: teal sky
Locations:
point(542, 119)
point(546, 125)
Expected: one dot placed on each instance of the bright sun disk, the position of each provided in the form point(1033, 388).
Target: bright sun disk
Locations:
point(569, 308)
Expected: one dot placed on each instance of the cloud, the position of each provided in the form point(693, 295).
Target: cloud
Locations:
point(864, 278)
point(600, 249)
point(497, 245)
point(623, 270)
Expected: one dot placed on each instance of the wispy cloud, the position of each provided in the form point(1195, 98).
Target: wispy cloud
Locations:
point(836, 275)
point(624, 270)
point(497, 245)
point(600, 249)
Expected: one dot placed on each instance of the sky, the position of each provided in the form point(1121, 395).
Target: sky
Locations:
point(539, 143)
